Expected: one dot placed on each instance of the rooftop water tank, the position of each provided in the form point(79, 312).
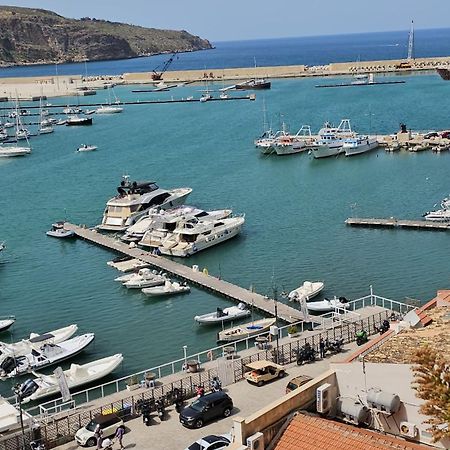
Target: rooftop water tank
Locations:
point(353, 411)
point(383, 401)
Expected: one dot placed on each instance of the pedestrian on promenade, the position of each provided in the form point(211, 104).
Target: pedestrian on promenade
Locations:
point(119, 435)
point(98, 433)
point(322, 348)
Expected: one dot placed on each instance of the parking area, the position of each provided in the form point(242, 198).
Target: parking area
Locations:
point(247, 398)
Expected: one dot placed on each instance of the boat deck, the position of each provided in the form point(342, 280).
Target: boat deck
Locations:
point(392, 222)
point(200, 279)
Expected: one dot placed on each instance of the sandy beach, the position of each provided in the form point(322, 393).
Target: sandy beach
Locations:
point(33, 88)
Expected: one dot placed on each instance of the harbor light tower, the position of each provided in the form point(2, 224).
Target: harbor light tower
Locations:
point(411, 42)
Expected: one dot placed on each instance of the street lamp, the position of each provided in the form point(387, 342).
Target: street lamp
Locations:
point(274, 288)
point(16, 390)
point(185, 356)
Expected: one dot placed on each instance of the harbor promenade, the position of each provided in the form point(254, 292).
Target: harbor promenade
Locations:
point(200, 279)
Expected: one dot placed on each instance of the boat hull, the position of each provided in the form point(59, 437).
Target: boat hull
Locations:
point(246, 330)
point(212, 318)
point(325, 151)
point(363, 148)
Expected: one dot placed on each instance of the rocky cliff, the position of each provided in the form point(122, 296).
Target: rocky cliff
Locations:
point(33, 36)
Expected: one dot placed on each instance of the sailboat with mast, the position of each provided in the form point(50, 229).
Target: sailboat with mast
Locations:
point(7, 150)
point(46, 126)
point(110, 108)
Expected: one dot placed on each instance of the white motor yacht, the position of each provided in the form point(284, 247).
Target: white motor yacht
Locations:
point(135, 199)
point(440, 215)
point(331, 140)
point(194, 235)
point(160, 224)
point(77, 375)
point(7, 151)
point(359, 144)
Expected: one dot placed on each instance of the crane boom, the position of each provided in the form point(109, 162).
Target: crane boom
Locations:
point(158, 75)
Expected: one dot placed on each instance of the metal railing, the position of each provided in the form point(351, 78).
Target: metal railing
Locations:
point(328, 321)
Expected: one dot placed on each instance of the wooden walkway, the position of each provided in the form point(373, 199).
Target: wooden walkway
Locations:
point(208, 282)
point(396, 223)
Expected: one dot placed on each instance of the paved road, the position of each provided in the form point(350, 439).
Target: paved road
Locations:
point(171, 435)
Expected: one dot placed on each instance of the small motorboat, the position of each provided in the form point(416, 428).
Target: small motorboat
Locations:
point(129, 276)
point(145, 278)
point(76, 375)
point(6, 322)
point(245, 330)
point(224, 315)
point(328, 305)
point(78, 121)
point(43, 355)
point(308, 290)
point(7, 151)
point(59, 231)
point(169, 288)
point(86, 148)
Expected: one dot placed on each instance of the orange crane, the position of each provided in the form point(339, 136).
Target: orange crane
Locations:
point(158, 75)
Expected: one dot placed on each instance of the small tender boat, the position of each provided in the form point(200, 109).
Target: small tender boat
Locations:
point(224, 315)
point(145, 278)
point(59, 231)
point(86, 148)
point(6, 322)
point(246, 330)
point(328, 305)
point(169, 288)
point(43, 355)
point(76, 375)
point(307, 290)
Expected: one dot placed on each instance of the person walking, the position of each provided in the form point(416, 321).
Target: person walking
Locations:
point(119, 435)
point(98, 433)
point(322, 348)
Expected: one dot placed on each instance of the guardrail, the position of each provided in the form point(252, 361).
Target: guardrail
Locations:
point(328, 321)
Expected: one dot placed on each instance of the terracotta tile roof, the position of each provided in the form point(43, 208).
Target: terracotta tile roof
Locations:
point(316, 433)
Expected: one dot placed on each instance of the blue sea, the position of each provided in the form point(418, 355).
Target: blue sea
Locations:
point(316, 50)
point(295, 206)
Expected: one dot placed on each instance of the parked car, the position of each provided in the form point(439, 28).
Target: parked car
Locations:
point(108, 424)
point(205, 409)
point(445, 134)
point(260, 372)
point(211, 442)
point(297, 382)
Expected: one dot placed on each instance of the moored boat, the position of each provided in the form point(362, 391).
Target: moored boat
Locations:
point(145, 278)
point(331, 139)
point(169, 288)
point(7, 151)
point(77, 375)
point(327, 305)
point(6, 322)
point(359, 144)
point(246, 330)
point(86, 148)
point(43, 355)
point(59, 231)
point(108, 109)
point(224, 315)
point(78, 121)
point(308, 290)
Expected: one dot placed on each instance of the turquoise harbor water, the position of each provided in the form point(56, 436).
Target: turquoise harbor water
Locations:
point(295, 210)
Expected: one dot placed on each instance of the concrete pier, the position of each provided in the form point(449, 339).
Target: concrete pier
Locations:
point(392, 222)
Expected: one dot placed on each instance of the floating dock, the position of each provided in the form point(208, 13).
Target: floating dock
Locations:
point(200, 279)
point(358, 84)
point(392, 222)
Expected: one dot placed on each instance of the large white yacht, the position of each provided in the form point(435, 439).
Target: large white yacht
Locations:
point(194, 235)
point(440, 215)
point(134, 199)
point(359, 144)
point(331, 139)
point(161, 222)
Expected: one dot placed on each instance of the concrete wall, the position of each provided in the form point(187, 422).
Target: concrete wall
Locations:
point(272, 413)
point(391, 378)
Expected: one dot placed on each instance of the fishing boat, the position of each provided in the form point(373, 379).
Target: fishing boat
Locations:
point(331, 139)
point(327, 305)
point(43, 355)
point(245, 330)
point(145, 278)
point(86, 148)
point(134, 200)
point(78, 121)
point(224, 315)
point(77, 375)
point(6, 322)
point(359, 144)
point(153, 228)
point(24, 346)
point(194, 235)
point(169, 288)
point(254, 83)
point(308, 290)
point(59, 231)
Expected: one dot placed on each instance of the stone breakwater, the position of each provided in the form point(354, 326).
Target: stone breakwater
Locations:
point(57, 86)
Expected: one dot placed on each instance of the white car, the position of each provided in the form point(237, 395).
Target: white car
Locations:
point(108, 424)
point(211, 442)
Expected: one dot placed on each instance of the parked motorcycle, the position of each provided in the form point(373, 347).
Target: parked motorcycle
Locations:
point(335, 346)
point(160, 409)
point(215, 384)
point(305, 354)
point(35, 445)
point(144, 407)
point(361, 337)
point(384, 326)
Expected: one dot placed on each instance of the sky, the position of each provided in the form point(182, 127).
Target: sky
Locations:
point(242, 20)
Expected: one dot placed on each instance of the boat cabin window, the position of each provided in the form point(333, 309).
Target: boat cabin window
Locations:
point(171, 226)
point(134, 208)
point(218, 224)
point(189, 237)
point(158, 199)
